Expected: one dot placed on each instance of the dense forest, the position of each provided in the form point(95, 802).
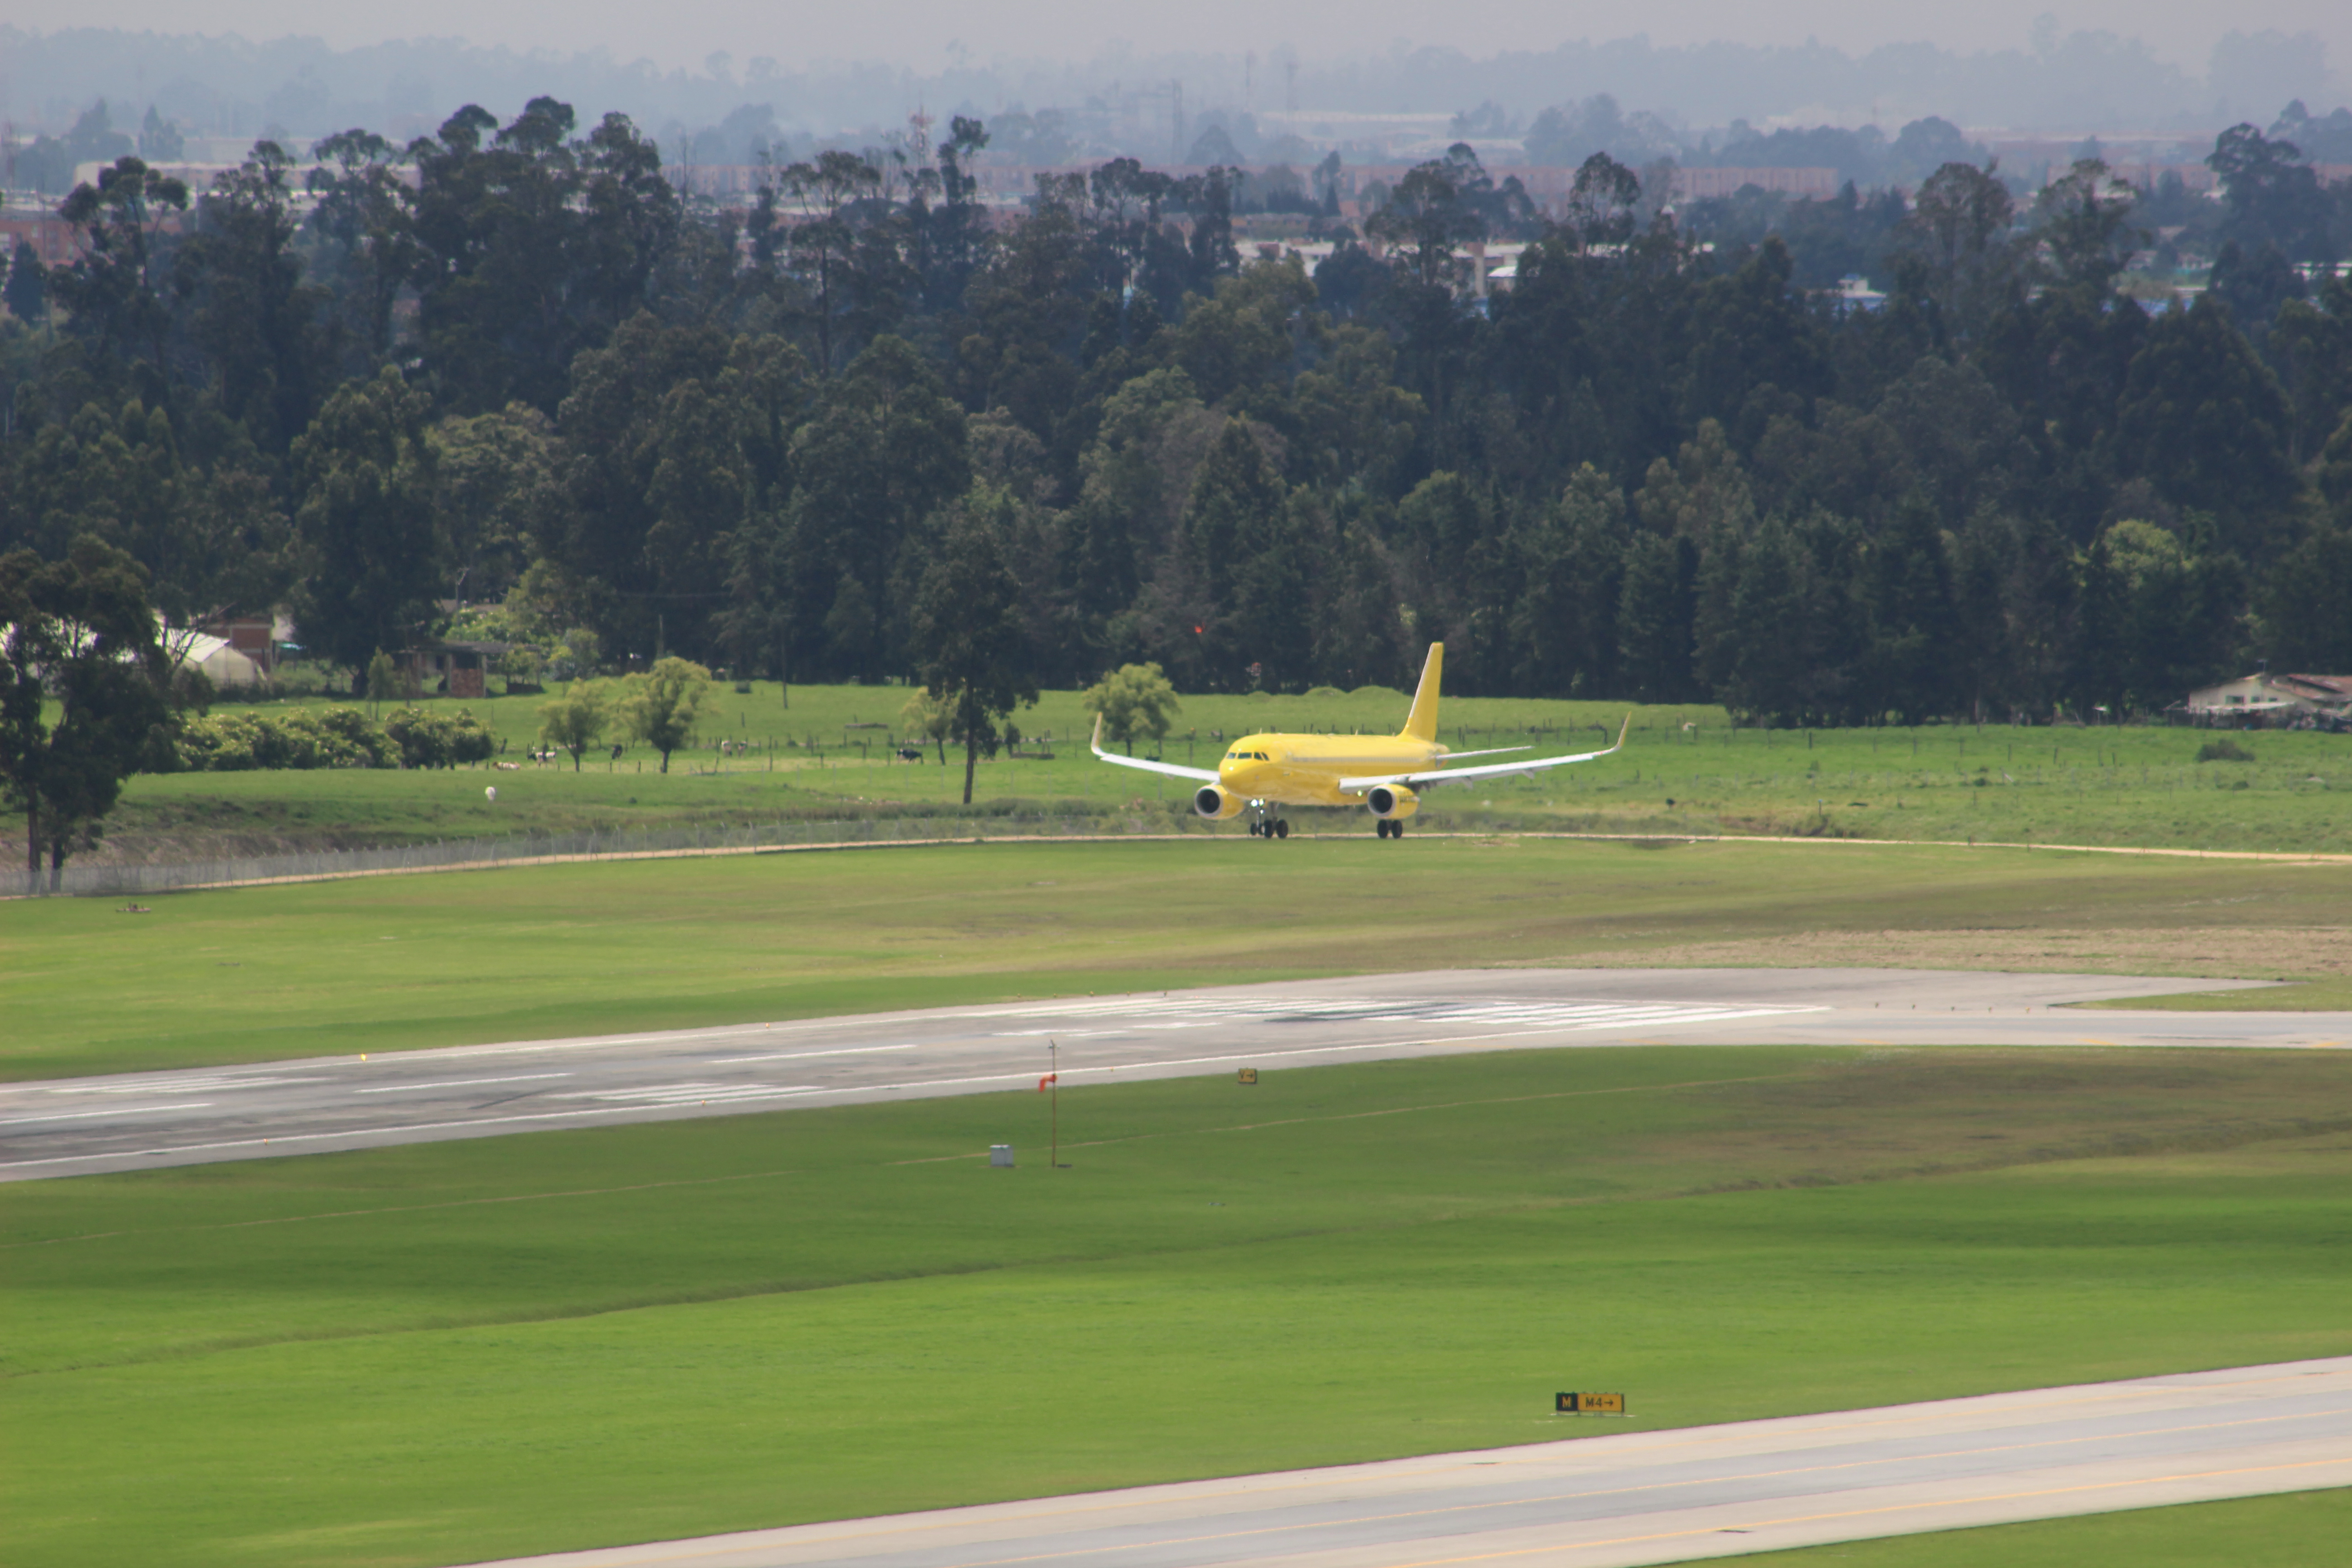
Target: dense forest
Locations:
point(508, 383)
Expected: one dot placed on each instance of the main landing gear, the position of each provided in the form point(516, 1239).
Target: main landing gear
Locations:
point(1387, 829)
point(1270, 827)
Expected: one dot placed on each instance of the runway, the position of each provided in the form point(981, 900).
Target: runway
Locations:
point(141, 1120)
point(1646, 1497)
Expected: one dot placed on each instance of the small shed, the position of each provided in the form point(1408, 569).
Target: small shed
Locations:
point(453, 668)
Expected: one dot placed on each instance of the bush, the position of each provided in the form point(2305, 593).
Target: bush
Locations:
point(2224, 750)
point(439, 740)
point(242, 742)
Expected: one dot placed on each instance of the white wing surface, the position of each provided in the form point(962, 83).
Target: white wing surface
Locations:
point(1429, 776)
point(1201, 775)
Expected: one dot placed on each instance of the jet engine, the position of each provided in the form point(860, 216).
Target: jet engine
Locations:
point(1217, 803)
point(1391, 803)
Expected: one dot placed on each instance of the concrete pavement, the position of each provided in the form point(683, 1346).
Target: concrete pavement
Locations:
point(141, 1120)
point(1644, 1496)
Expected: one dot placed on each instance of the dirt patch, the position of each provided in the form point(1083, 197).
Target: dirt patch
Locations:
point(2220, 953)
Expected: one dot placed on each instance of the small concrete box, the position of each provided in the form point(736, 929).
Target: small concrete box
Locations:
point(1000, 1156)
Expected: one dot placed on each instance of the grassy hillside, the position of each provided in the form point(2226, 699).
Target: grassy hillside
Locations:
point(451, 1351)
point(1683, 770)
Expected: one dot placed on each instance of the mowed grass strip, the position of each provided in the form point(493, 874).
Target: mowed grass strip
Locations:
point(1683, 770)
point(394, 963)
point(444, 1352)
point(2291, 1529)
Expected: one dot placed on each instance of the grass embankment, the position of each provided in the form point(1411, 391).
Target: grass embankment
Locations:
point(390, 962)
point(2129, 786)
point(451, 1351)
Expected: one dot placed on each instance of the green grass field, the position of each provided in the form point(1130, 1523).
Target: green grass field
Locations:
point(449, 1352)
point(2294, 1530)
point(390, 962)
point(814, 759)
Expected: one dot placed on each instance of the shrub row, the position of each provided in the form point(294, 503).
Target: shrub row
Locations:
point(332, 738)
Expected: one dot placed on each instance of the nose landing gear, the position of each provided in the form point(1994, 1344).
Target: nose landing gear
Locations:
point(1265, 827)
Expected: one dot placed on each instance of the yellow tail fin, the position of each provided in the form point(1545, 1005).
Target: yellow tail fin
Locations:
point(1421, 724)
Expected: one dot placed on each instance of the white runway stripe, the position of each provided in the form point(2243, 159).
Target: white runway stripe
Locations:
point(207, 1085)
point(801, 1056)
point(690, 1093)
point(110, 1110)
point(459, 1083)
point(1196, 1013)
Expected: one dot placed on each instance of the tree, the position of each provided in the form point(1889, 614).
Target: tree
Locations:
point(967, 631)
point(83, 694)
point(660, 705)
point(1958, 227)
point(494, 483)
point(2083, 220)
point(26, 293)
point(2203, 419)
point(826, 191)
point(365, 519)
point(113, 288)
point(254, 314)
point(1758, 631)
point(575, 720)
point(382, 681)
point(883, 448)
point(2271, 196)
point(930, 718)
point(366, 219)
point(1425, 218)
point(2304, 623)
point(1133, 699)
point(2154, 620)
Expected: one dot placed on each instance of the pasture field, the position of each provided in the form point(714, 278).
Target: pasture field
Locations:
point(399, 961)
point(449, 1351)
point(1683, 770)
point(2292, 1530)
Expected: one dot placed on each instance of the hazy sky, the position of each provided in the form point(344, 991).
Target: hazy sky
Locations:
point(920, 33)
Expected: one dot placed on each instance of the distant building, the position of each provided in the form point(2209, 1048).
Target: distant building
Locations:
point(2275, 701)
point(453, 668)
point(1698, 185)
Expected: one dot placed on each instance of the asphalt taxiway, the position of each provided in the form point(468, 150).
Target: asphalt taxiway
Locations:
point(141, 1120)
point(1642, 1497)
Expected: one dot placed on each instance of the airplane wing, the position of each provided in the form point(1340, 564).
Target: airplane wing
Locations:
point(1490, 771)
point(1200, 775)
point(1495, 752)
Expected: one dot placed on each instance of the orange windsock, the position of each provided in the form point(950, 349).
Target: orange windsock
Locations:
point(1049, 1078)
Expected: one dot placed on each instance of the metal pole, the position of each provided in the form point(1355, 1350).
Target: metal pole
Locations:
point(1054, 1068)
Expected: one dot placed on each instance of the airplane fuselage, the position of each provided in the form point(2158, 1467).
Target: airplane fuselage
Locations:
point(1305, 770)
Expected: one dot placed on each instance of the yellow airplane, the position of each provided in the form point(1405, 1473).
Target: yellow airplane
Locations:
point(1383, 773)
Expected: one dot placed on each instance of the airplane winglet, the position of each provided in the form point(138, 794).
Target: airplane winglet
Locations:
point(1097, 741)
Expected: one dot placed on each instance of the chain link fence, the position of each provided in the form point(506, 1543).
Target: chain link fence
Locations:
point(593, 843)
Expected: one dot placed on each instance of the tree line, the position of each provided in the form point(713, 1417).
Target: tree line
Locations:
point(506, 381)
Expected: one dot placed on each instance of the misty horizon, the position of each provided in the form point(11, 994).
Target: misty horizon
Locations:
point(2079, 82)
